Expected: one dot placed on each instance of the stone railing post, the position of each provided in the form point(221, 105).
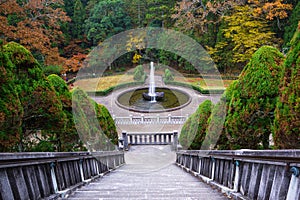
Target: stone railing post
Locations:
point(200, 165)
point(236, 176)
point(131, 118)
point(142, 118)
point(169, 118)
point(125, 140)
point(81, 169)
point(213, 160)
point(53, 177)
point(293, 191)
point(175, 139)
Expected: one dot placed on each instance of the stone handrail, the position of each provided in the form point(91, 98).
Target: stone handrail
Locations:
point(51, 175)
point(161, 138)
point(150, 119)
point(254, 174)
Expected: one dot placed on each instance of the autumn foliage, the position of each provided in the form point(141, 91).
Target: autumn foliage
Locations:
point(35, 24)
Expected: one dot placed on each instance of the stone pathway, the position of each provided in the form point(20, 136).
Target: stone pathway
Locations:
point(149, 173)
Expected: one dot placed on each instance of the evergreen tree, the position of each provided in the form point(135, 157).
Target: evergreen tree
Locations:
point(193, 131)
point(287, 115)
point(253, 100)
point(106, 19)
point(78, 20)
point(292, 25)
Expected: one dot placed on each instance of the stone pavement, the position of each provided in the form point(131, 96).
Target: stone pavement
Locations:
point(149, 173)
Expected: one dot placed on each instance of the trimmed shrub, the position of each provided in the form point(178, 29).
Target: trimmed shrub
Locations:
point(253, 99)
point(168, 76)
point(193, 131)
point(139, 73)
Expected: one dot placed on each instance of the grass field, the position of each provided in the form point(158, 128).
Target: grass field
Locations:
point(103, 83)
point(205, 83)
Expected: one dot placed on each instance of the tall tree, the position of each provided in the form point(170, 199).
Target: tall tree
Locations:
point(78, 20)
point(38, 99)
point(287, 115)
point(36, 25)
point(11, 111)
point(106, 19)
point(246, 32)
point(253, 99)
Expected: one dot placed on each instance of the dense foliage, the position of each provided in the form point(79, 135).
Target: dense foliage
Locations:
point(264, 98)
point(62, 32)
point(139, 73)
point(193, 131)
point(168, 76)
point(35, 110)
point(287, 114)
point(253, 98)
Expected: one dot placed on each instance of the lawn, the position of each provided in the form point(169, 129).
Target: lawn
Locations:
point(208, 83)
point(103, 83)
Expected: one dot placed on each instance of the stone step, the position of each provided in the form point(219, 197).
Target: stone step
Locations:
point(149, 173)
point(167, 183)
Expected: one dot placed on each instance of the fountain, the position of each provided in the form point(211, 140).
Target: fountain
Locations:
point(153, 99)
point(152, 96)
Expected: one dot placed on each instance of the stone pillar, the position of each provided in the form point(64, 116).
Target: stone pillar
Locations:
point(131, 118)
point(175, 140)
point(169, 118)
point(125, 140)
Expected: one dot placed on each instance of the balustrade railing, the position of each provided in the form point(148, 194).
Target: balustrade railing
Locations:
point(247, 173)
point(161, 138)
point(50, 175)
point(150, 119)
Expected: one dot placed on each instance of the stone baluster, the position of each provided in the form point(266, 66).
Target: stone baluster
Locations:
point(175, 139)
point(125, 140)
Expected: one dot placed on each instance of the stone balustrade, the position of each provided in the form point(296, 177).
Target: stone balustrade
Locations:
point(247, 174)
point(50, 175)
point(161, 138)
point(150, 120)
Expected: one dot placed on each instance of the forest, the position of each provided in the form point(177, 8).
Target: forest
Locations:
point(255, 41)
point(61, 33)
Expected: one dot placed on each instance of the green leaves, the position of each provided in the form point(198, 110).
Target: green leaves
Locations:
point(287, 114)
point(193, 131)
point(252, 100)
point(107, 18)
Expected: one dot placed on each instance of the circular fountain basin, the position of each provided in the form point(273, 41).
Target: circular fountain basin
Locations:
point(133, 100)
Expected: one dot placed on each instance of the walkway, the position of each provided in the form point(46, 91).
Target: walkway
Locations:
point(148, 174)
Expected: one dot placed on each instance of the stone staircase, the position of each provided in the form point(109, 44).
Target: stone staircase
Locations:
point(150, 173)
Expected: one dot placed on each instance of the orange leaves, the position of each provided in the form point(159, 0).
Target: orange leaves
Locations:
point(37, 26)
point(271, 10)
point(73, 64)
